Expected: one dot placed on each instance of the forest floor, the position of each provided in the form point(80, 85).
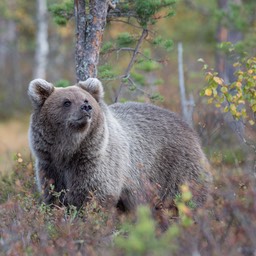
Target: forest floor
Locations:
point(225, 225)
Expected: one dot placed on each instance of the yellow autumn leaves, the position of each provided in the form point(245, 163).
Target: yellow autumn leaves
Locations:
point(239, 97)
point(208, 92)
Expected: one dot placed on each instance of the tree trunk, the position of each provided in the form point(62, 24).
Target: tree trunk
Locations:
point(186, 105)
point(224, 64)
point(89, 34)
point(42, 46)
point(10, 72)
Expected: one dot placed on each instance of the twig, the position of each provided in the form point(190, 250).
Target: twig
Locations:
point(132, 61)
point(250, 145)
point(228, 228)
point(245, 224)
point(209, 237)
point(118, 13)
point(139, 89)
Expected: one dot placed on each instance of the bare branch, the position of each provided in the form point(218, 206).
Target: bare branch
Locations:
point(139, 89)
point(133, 59)
point(126, 22)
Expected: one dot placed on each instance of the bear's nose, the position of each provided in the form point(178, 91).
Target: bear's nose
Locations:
point(86, 107)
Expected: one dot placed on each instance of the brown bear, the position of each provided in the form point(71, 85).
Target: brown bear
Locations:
point(83, 146)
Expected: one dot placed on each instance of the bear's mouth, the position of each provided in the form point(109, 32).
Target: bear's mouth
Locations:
point(80, 122)
point(83, 118)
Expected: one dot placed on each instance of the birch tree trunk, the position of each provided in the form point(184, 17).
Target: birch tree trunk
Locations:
point(42, 46)
point(89, 33)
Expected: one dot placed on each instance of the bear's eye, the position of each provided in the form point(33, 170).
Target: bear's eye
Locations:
point(67, 103)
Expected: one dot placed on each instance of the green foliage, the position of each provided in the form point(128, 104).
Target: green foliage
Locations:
point(232, 50)
point(227, 156)
point(239, 97)
point(138, 78)
point(146, 9)
point(158, 40)
point(106, 72)
point(158, 81)
point(236, 15)
point(62, 12)
point(6, 187)
point(62, 83)
point(156, 97)
point(147, 65)
point(185, 204)
point(106, 47)
point(140, 239)
point(166, 44)
point(124, 39)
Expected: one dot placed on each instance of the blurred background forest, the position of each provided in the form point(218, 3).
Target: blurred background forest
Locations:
point(199, 25)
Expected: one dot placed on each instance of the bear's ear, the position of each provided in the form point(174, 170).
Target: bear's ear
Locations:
point(38, 91)
point(94, 87)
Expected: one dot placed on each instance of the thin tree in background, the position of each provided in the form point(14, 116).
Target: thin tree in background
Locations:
point(42, 46)
point(187, 105)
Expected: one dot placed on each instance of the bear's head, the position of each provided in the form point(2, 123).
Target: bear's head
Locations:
point(73, 108)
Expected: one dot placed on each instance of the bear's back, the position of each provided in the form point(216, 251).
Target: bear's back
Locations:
point(162, 146)
point(151, 120)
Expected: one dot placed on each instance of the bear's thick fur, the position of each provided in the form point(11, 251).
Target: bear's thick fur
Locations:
point(81, 145)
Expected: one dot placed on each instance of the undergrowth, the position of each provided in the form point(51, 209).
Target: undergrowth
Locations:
point(226, 225)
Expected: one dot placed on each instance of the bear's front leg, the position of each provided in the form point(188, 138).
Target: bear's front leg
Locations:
point(79, 193)
point(50, 183)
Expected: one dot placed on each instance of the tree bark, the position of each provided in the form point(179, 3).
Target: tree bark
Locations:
point(10, 72)
point(224, 64)
point(89, 34)
point(42, 46)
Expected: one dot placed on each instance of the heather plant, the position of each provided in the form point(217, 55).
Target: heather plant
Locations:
point(225, 225)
